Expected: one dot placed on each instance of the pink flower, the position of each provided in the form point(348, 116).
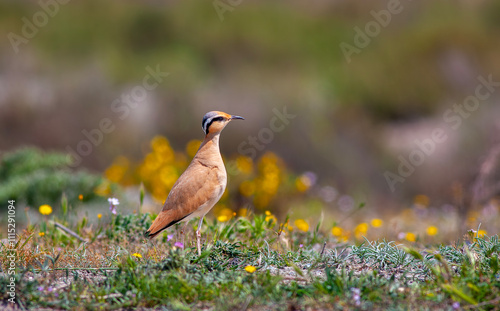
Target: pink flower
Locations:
point(170, 237)
point(179, 245)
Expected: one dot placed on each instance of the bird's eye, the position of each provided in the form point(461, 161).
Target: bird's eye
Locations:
point(218, 119)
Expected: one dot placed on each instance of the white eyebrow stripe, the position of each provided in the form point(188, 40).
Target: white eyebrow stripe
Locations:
point(207, 122)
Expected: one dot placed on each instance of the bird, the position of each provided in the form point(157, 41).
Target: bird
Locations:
point(201, 185)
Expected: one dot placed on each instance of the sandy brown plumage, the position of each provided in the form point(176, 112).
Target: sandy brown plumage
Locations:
point(202, 184)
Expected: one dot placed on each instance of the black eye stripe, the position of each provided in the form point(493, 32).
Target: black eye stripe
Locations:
point(209, 122)
point(212, 120)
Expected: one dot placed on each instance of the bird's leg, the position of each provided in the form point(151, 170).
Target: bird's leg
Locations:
point(198, 235)
point(198, 241)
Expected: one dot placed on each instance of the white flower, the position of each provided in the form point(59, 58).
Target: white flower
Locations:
point(113, 201)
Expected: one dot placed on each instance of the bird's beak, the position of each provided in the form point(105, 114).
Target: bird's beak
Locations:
point(237, 118)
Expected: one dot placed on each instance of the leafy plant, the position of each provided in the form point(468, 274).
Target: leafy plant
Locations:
point(36, 177)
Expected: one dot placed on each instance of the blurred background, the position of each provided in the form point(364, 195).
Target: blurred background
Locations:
point(355, 110)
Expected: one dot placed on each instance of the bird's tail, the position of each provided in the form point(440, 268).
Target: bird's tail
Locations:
point(159, 224)
point(150, 235)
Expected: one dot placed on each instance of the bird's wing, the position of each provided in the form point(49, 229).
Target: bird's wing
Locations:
point(196, 186)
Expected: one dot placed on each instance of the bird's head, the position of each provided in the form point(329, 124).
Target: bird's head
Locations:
point(215, 121)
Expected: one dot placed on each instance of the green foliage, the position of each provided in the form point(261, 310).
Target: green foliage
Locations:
point(468, 274)
point(38, 177)
point(126, 226)
point(383, 255)
point(371, 286)
point(374, 275)
point(177, 281)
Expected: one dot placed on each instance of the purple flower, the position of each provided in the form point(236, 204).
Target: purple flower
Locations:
point(40, 288)
point(301, 245)
point(50, 289)
point(179, 245)
point(170, 237)
point(456, 305)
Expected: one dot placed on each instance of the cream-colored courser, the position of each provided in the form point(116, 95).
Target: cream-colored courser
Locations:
point(201, 185)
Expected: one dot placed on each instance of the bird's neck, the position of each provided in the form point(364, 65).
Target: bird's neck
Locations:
point(209, 150)
point(211, 141)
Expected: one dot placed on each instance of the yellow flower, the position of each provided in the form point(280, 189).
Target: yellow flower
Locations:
point(224, 213)
point(45, 209)
point(168, 176)
point(361, 230)
point(80, 197)
point(99, 216)
point(270, 216)
point(161, 153)
point(117, 170)
point(481, 233)
point(302, 225)
point(286, 225)
point(250, 269)
point(337, 231)
point(150, 164)
point(431, 230)
point(242, 212)
point(411, 237)
point(160, 144)
point(303, 182)
point(376, 222)
point(247, 188)
point(192, 147)
point(244, 164)
point(41, 233)
point(159, 192)
point(344, 237)
point(222, 218)
point(137, 255)
point(269, 176)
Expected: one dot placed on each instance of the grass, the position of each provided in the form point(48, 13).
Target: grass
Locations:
point(118, 269)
